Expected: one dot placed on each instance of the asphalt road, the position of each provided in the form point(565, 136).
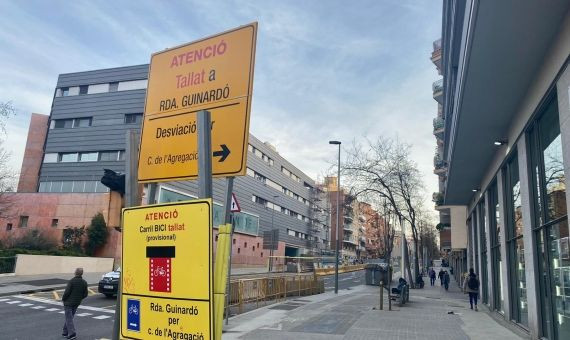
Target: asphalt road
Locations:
point(40, 316)
point(345, 280)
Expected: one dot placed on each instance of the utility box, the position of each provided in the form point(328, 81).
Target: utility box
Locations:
point(374, 273)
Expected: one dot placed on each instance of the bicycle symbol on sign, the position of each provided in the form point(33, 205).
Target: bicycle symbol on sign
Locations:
point(133, 310)
point(160, 271)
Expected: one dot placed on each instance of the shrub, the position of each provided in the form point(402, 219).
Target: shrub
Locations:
point(72, 238)
point(34, 239)
point(97, 234)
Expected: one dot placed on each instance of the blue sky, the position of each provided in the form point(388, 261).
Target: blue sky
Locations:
point(325, 70)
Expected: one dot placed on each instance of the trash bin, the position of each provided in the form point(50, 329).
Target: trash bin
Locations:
point(372, 274)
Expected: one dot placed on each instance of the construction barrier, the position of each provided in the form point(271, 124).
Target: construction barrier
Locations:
point(342, 269)
point(260, 290)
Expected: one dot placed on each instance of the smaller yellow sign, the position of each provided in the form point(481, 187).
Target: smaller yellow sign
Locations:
point(166, 278)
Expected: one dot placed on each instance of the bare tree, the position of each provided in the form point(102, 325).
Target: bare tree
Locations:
point(7, 175)
point(384, 170)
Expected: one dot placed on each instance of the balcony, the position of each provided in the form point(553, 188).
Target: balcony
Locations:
point(362, 239)
point(348, 228)
point(438, 127)
point(436, 54)
point(350, 240)
point(440, 166)
point(437, 88)
point(437, 198)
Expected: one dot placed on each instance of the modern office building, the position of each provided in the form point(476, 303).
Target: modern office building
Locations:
point(86, 133)
point(506, 146)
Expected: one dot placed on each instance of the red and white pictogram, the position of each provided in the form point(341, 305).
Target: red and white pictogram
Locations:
point(160, 270)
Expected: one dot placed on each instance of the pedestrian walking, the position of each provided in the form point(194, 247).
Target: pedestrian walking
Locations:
point(446, 280)
point(440, 276)
point(75, 292)
point(471, 286)
point(432, 277)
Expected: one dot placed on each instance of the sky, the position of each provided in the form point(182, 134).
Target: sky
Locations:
point(342, 70)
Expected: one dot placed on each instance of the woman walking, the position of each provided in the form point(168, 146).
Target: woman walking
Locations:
point(471, 286)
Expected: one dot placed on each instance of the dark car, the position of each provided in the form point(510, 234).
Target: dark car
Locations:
point(109, 284)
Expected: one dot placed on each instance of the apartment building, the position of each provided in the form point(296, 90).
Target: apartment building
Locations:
point(506, 148)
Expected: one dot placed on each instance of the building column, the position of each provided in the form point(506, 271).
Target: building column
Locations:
point(530, 256)
point(563, 94)
point(480, 223)
point(504, 268)
point(490, 288)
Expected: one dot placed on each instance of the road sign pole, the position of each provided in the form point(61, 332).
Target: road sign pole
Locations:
point(131, 199)
point(228, 220)
point(204, 154)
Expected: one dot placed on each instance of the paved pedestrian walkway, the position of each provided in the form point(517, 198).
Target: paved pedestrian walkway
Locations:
point(432, 313)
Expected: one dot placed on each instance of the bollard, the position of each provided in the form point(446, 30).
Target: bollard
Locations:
point(381, 295)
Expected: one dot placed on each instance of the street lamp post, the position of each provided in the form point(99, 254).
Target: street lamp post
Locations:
point(334, 142)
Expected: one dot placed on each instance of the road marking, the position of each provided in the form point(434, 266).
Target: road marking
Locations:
point(62, 312)
point(2, 300)
point(84, 314)
point(91, 291)
point(13, 302)
point(51, 309)
point(38, 307)
point(101, 317)
point(58, 303)
point(26, 304)
point(55, 295)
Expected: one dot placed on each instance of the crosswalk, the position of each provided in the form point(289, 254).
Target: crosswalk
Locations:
point(46, 305)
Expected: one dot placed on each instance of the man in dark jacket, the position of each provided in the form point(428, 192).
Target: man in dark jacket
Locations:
point(75, 292)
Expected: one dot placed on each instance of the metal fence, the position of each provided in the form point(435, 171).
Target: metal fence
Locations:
point(7, 264)
point(260, 290)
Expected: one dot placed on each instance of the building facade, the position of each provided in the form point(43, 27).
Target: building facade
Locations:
point(86, 132)
point(506, 146)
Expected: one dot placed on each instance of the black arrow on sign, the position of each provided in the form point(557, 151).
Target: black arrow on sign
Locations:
point(222, 153)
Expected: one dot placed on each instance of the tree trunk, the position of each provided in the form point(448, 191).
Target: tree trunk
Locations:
point(416, 260)
point(412, 281)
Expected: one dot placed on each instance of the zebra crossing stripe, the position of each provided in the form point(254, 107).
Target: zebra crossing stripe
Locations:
point(26, 304)
point(83, 314)
point(51, 309)
point(101, 317)
point(38, 307)
point(13, 302)
point(2, 300)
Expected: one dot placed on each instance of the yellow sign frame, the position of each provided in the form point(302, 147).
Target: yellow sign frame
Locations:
point(169, 144)
point(161, 311)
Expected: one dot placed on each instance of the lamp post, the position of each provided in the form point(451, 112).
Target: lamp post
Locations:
point(334, 142)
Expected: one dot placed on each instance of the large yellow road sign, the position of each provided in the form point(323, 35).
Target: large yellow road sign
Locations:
point(214, 74)
point(167, 285)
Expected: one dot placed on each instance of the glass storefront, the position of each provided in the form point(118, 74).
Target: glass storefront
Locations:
point(515, 244)
point(551, 223)
point(495, 235)
point(483, 238)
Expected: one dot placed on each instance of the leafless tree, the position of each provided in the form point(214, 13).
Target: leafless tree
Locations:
point(7, 175)
point(383, 169)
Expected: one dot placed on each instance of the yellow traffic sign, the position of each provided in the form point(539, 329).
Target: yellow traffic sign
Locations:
point(214, 74)
point(166, 278)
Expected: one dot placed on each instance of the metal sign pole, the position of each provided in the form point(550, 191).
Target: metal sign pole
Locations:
point(228, 219)
point(131, 199)
point(204, 154)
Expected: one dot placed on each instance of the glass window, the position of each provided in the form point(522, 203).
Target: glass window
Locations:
point(9, 226)
point(56, 186)
point(50, 158)
point(121, 155)
point(89, 186)
point(82, 122)
point(88, 156)
point(65, 91)
point(78, 186)
point(23, 222)
point(166, 196)
point(44, 187)
point(67, 186)
point(496, 267)
point(68, 157)
point(54, 222)
point(133, 118)
point(63, 123)
point(483, 238)
point(83, 89)
point(550, 222)
point(99, 187)
point(108, 156)
point(113, 87)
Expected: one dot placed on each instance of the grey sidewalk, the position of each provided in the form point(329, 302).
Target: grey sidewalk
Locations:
point(350, 315)
point(16, 284)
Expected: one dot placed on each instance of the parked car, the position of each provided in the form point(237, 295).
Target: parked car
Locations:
point(109, 284)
